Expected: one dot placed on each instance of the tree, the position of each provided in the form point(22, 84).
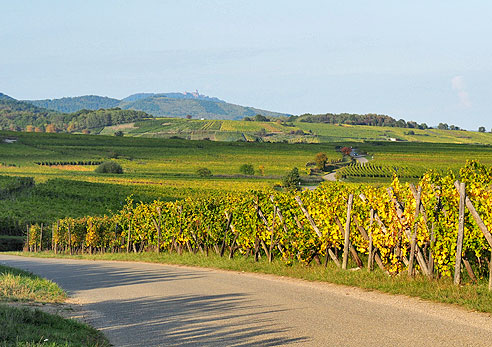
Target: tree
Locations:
point(50, 128)
point(110, 167)
point(261, 170)
point(443, 126)
point(118, 133)
point(292, 180)
point(247, 169)
point(320, 159)
point(261, 118)
point(481, 129)
point(203, 172)
point(346, 150)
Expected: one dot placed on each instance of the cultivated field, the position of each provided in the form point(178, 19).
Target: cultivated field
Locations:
point(231, 130)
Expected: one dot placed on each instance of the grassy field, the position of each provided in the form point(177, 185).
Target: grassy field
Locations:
point(24, 326)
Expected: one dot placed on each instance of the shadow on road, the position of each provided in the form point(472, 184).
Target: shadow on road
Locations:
point(213, 320)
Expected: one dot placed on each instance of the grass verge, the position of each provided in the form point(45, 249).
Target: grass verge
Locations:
point(473, 296)
point(19, 285)
point(24, 326)
point(28, 327)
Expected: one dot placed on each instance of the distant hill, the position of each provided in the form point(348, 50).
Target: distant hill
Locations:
point(23, 116)
point(159, 105)
point(68, 105)
point(185, 95)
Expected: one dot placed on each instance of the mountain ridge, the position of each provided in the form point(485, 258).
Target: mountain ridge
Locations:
point(159, 105)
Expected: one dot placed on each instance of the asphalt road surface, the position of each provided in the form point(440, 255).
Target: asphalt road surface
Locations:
point(139, 304)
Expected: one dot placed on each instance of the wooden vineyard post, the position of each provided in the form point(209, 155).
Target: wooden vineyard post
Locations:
point(370, 259)
point(41, 238)
point(57, 233)
point(476, 217)
point(158, 228)
point(469, 270)
point(229, 221)
point(270, 253)
point(431, 256)
point(27, 236)
point(233, 244)
point(316, 229)
point(346, 241)
point(128, 238)
point(413, 241)
point(69, 240)
point(265, 222)
point(461, 230)
point(490, 272)
point(352, 250)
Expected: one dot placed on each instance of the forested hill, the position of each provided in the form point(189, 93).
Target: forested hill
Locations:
point(69, 105)
point(16, 115)
point(158, 105)
point(22, 116)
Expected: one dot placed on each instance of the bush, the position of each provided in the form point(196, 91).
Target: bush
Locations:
point(204, 172)
point(118, 133)
point(247, 169)
point(110, 167)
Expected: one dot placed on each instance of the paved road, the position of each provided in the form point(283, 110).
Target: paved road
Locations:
point(138, 304)
point(332, 175)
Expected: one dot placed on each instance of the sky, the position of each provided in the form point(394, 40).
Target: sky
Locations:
point(427, 61)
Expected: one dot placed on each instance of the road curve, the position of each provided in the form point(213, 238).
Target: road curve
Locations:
point(140, 304)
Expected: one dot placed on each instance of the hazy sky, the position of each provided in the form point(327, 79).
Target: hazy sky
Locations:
point(428, 61)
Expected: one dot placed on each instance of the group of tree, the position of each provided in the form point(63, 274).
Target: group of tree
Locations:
point(256, 118)
point(445, 126)
point(360, 119)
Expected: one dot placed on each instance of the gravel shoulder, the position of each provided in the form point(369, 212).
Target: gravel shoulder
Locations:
point(154, 304)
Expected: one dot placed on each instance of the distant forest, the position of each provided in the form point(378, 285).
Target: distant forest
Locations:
point(359, 119)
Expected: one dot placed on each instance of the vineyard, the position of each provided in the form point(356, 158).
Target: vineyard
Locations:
point(431, 229)
point(377, 170)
